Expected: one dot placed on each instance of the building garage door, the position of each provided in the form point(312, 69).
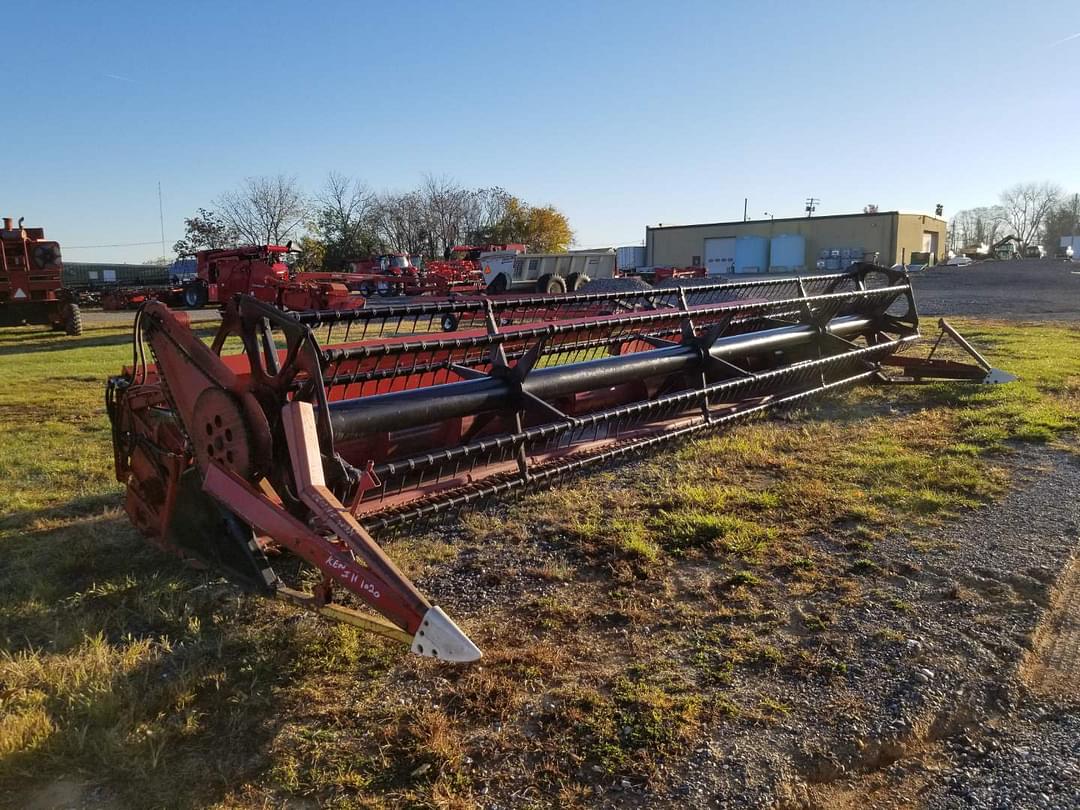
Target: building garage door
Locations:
point(930, 244)
point(720, 255)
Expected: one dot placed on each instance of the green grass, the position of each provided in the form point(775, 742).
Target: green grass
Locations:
point(121, 667)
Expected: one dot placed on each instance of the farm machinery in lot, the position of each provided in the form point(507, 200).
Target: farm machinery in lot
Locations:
point(331, 426)
point(261, 272)
point(30, 281)
point(393, 275)
point(221, 273)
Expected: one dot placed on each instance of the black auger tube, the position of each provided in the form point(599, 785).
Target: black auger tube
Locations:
point(352, 418)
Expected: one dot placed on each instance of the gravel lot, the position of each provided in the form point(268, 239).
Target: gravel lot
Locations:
point(98, 317)
point(941, 718)
point(1033, 289)
point(970, 730)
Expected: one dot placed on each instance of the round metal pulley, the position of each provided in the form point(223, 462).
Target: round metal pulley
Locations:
point(220, 432)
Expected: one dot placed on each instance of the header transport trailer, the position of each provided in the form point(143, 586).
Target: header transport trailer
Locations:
point(546, 272)
point(31, 286)
point(278, 465)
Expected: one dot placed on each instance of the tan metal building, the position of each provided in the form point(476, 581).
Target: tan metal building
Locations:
point(896, 238)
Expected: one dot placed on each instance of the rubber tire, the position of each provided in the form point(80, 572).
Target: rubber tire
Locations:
point(449, 322)
point(366, 289)
point(195, 296)
point(575, 281)
point(498, 285)
point(72, 320)
point(551, 284)
point(384, 289)
point(557, 285)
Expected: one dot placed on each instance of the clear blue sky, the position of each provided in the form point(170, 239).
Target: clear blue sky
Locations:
point(621, 114)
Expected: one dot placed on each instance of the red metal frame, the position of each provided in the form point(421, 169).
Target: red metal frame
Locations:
point(307, 448)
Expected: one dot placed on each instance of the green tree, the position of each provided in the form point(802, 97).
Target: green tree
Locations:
point(547, 230)
point(1063, 220)
point(544, 229)
point(207, 230)
point(311, 254)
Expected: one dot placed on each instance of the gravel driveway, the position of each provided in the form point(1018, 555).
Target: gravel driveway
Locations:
point(936, 708)
point(1033, 289)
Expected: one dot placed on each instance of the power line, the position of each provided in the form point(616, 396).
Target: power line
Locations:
point(118, 244)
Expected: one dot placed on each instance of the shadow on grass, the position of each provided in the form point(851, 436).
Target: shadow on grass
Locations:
point(31, 343)
point(119, 662)
point(64, 344)
point(182, 728)
point(86, 506)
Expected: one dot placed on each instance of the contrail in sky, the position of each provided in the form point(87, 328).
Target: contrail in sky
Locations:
point(127, 79)
point(1068, 38)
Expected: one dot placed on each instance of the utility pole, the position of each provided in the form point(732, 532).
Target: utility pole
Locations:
point(811, 206)
point(745, 204)
point(161, 217)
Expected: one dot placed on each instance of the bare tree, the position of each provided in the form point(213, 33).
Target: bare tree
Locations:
point(1025, 208)
point(344, 219)
point(438, 215)
point(264, 210)
point(400, 222)
point(489, 208)
point(447, 209)
point(976, 227)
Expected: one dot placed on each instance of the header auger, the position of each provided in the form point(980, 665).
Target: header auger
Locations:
point(306, 446)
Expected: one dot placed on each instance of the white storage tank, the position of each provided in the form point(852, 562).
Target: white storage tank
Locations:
point(751, 254)
point(630, 258)
point(787, 253)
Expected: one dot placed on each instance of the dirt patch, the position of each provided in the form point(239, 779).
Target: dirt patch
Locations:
point(1052, 668)
point(65, 794)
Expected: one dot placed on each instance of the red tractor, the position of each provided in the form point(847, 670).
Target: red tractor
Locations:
point(388, 274)
point(30, 281)
point(261, 272)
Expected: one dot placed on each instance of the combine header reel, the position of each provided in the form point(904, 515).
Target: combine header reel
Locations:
point(301, 446)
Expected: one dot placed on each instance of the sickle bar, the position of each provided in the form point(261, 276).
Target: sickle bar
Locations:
point(300, 448)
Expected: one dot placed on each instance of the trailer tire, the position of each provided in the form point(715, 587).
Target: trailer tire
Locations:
point(366, 289)
point(449, 322)
point(72, 320)
point(550, 283)
point(575, 281)
point(195, 295)
point(498, 285)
